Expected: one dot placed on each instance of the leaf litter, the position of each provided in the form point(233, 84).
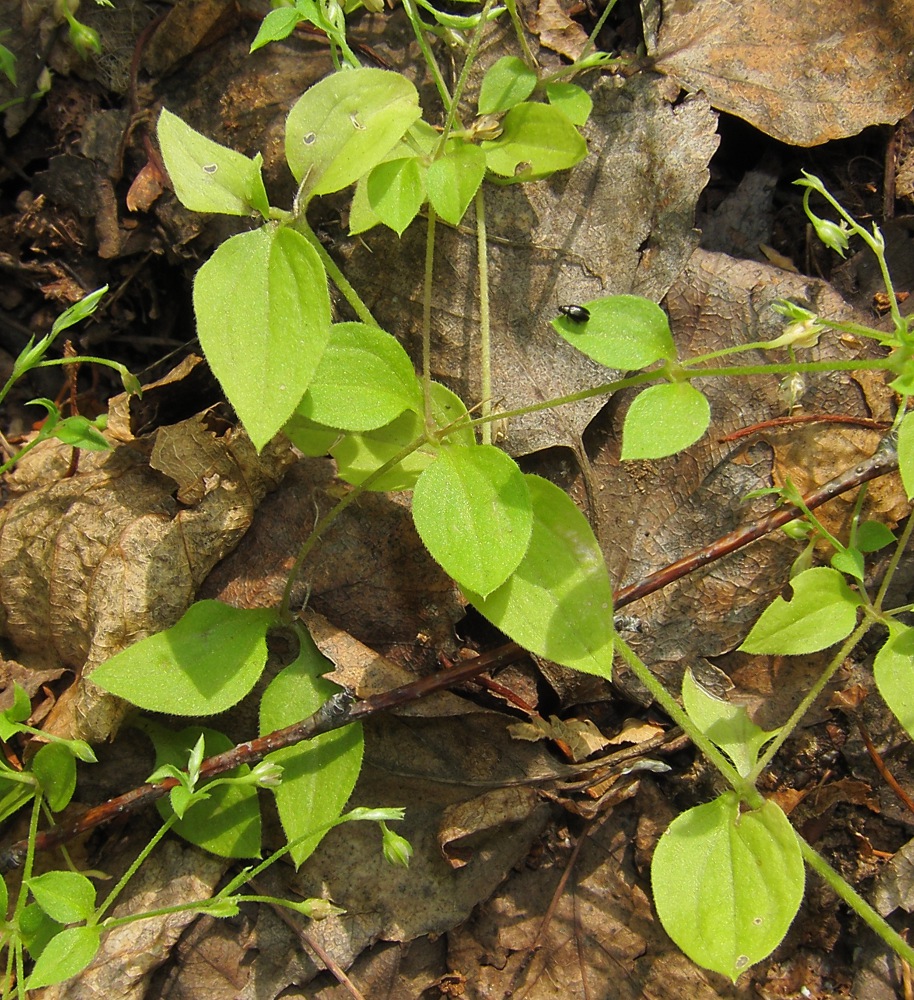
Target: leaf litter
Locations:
point(621, 222)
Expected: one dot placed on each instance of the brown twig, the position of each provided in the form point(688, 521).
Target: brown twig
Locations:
point(880, 764)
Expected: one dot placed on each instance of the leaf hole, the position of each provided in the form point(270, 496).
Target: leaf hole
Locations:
point(356, 124)
point(310, 138)
point(210, 168)
point(742, 962)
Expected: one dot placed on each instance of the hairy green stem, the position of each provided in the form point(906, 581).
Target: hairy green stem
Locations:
point(427, 292)
point(669, 704)
point(810, 697)
point(900, 547)
point(485, 338)
point(134, 866)
point(430, 61)
point(855, 901)
point(335, 274)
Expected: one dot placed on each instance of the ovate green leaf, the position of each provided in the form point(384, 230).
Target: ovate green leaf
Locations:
point(359, 455)
point(506, 83)
point(536, 141)
point(208, 177)
point(453, 180)
point(364, 380)
point(396, 192)
point(263, 317)
point(893, 669)
point(228, 822)
point(558, 602)
point(472, 510)
point(319, 774)
point(727, 726)
point(906, 453)
point(624, 331)
point(664, 419)
point(727, 884)
point(64, 956)
point(823, 611)
point(204, 664)
point(571, 99)
point(55, 768)
point(345, 125)
point(66, 897)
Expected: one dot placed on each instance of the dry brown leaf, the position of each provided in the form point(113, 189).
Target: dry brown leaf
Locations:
point(801, 72)
point(485, 812)
point(580, 735)
point(557, 31)
point(91, 564)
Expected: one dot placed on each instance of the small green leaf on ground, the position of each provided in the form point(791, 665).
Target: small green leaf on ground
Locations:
point(64, 956)
point(727, 884)
point(506, 83)
point(627, 332)
point(664, 419)
point(208, 177)
point(727, 726)
point(346, 124)
point(453, 180)
point(66, 897)
point(573, 100)
point(558, 602)
point(823, 611)
point(396, 192)
point(472, 510)
point(263, 318)
point(318, 774)
point(55, 768)
point(893, 669)
point(364, 380)
point(536, 141)
point(203, 665)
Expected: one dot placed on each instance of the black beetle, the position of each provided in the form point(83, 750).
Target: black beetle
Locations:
point(577, 314)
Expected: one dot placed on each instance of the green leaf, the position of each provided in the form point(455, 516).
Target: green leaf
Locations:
point(558, 602)
point(536, 141)
point(906, 453)
point(396, 192)
point(80, 432)
point(318, 774)
point(664, 419)
point(823, 611)
point(64, 956)
point(727, 726)
point(506, 83)
point(364, 380)
point(278, 24)
point(208, 177)
point(624, 331)
point(472, 510)
point(66, 897)
point(727, 884)
point(453, 180)
point(203, 665)
point(359, 455)
point(893, 669)
point(228, 821)
point(310, 438)
point(55, 769)
point(4, 896)
point(37, 929)
point(13, 794)
point(78, 311)
point(345, 125)
point(571, 99)
point(873, 536)
point(849, 561)
point(263, 317)
point(19, 711)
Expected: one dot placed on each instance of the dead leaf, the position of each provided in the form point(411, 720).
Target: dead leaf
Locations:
point(557, 31)
point(803, 73)
point(485, 812)
point(581, 736)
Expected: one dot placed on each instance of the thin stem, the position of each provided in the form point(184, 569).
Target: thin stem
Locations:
point(472, 51)
point(520, 32)
point(855, 901)
point(485, 330)
point(335, 274)
point(900, 547)
point(427, 292)
point(134, 866)
point(591, 42)
point(669, 704)
point(810, 697)
point(430, 61)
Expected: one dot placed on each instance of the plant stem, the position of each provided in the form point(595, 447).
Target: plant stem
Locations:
point(855, 901)
point(427, 291)
point(669, 704)
point(336, 275)
point(900, 547)
point(810, 697)
point(485, 338)
point(430, 61)
point(134, 866)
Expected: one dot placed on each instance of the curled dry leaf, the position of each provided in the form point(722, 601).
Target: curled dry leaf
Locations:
point(91, 564)
point(803, 73)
